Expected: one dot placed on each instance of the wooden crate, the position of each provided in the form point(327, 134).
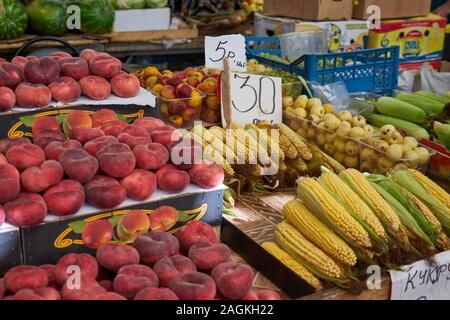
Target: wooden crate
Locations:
point(107, 38)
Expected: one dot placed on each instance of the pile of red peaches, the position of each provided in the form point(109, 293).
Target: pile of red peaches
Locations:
point(33, 82)
point(190, 265)
point(95, 159)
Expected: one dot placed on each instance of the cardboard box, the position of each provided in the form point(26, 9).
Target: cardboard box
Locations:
point(142, 20)
point(420, 39)
point(392, 9)
point(343, 36)
point(16, 123)
point(57, 236)
point(254, 223)
point(10, 247)
point(436, 65)
point(310, 9)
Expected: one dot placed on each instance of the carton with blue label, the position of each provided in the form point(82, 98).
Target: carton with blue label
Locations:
point(419, 39)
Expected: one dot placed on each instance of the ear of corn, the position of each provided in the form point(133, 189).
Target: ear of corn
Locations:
point(318, 233)
point(295, 139)
point(442, 241)
point(289, 150)
point(327, 161)
point(217, 143)
point(211, 154)
point(429, 224)
point(292, 264)
point(270, 143)
point(405, 179)
point(430, 186)
point(387, 216)
point(236, 140)
point(251, 144)
point(302, 250)
point(299, 165)
point(407, 219)
point(353, 203)
point(319, 201)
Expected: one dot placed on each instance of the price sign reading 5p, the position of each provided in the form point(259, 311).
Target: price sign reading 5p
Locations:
point(231, 47)
point(255, 98)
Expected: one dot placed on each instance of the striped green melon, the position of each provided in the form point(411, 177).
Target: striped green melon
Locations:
point(48, 17)
point(13, 19)
point(97, 16)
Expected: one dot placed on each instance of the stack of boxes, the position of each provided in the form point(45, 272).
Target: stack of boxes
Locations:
point(405, 23)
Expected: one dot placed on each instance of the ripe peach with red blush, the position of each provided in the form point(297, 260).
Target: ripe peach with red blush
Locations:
point(27, 209)
point(54, 149)
point(95, 87)
point(65, 89)
point(30, 95)
point(7, 99)
point(42, 70)
point(76, 68)
point(125, 85)
point(104, 192)
point(139, 184)
point(66, 198)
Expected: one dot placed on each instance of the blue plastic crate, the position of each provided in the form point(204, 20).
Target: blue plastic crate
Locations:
point(374, 70)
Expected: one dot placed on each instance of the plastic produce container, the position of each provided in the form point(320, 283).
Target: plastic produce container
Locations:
point(292, 89)
point(181, 112)
point(210, 112)
point(343, 149)
point(377, 160)
point(363, 103)
point(296, 44)
point(358, 153)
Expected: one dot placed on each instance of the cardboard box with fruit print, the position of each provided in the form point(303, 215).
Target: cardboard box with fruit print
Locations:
point(57, 236)
point(92, 164)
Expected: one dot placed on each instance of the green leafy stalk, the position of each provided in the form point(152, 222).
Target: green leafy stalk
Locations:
point(406, 218)
point(404, 179)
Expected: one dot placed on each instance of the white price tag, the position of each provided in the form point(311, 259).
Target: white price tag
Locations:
point(255, 98)
point(423, 280)
point(231, 47)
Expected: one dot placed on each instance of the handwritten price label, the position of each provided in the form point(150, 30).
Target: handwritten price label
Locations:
point(255, 98)
point(231, 47)
point(423, 280)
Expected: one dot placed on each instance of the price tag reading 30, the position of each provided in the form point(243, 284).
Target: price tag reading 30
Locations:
point(231, 47)
point(255, 98)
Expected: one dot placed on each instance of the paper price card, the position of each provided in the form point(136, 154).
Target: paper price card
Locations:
point(254, 98)
point(423, 280)
point(230, 47)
